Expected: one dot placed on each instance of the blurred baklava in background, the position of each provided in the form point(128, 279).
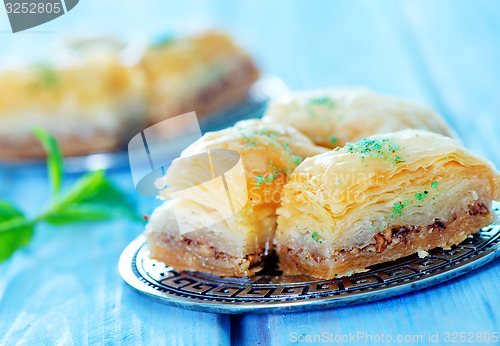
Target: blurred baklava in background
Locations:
point(88, 108)
point(98, 102)
point(201, 73)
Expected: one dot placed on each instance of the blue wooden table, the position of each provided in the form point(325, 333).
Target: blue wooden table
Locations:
point(64, 287)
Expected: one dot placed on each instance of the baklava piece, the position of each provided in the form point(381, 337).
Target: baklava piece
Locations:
point(380, 199)
point(187, 232)
point(333, 117)
point(104, 98)
point(204, 73)
point(90, 107)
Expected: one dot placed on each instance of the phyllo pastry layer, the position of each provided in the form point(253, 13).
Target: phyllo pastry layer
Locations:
point(235, 245)
point(333, 117)
point(380, 199)
point(203, 73)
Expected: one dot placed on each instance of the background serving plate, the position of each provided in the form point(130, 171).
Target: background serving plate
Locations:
point(253, 106)
point(279, 293)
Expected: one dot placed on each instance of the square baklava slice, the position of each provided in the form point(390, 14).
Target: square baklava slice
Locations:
point(221, 195)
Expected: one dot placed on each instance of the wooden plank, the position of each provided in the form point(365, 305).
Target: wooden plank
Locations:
point(446, 54)
point(465, 304)
point(460, 43)
point(64, 287)
point(442, 53)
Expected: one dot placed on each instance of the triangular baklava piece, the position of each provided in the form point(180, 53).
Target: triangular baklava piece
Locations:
point(382, 198)
point(222, 195)
point(333, 117)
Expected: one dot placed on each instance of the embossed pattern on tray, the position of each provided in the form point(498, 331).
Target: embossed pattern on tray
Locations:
point(266, 293)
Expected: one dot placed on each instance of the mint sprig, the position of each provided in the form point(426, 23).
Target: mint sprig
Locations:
point(15, 230)
point(55, 159)
point(92, 198)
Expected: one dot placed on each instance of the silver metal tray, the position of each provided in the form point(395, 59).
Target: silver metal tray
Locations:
point(253, 106)
point(268, 293)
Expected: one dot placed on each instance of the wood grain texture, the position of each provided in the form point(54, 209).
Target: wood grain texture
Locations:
point(64, 288)
point(451, 52)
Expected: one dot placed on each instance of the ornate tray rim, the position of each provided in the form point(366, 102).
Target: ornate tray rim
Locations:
point(473, 258)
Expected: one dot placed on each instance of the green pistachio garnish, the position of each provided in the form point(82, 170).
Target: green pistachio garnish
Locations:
point(259, 180)
point(315, 237)
point(270, 178)
point(382, 149)
point(163, 41)
point(421, 195)
point(296, 160)
point(323, 101)
point(397, 209)
point(48, 77)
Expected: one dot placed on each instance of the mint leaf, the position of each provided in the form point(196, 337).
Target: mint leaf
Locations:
point(93, 197)
point(15, 230)
point(54, 158)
